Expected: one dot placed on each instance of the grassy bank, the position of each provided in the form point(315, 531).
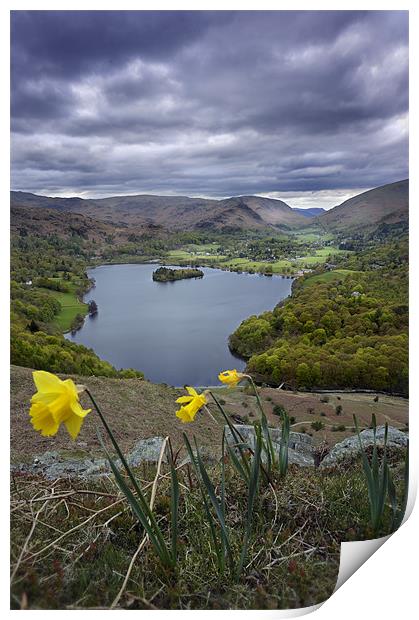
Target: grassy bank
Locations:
point(85, 539)
point(71, 306)
point(138, 409)
point(68, 294)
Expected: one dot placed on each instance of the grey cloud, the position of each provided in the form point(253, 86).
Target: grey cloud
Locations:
point(212, 103)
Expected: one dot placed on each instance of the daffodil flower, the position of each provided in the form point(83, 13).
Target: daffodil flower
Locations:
point(193, 404)
point(56, 401)
point(231, 377)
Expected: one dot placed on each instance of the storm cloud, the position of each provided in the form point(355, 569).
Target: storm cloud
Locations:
point(216, 104)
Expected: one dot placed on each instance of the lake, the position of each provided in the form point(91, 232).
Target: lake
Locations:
point(175, 332)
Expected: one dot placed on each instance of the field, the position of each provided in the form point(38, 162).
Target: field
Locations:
point(310, 234)
point(70, 306)
point(328, 276)
point(203, 254)
point(187, 255)
point(308, 408)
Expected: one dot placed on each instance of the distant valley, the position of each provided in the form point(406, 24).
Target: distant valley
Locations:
point(310, 212)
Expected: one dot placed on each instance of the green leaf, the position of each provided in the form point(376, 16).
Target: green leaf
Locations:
point(252, 493)
point(144, 518)
point(174, 503)
point(140, 508)
point(283, 450)
point(237, 436)
point(215, 503)
point(219, 550)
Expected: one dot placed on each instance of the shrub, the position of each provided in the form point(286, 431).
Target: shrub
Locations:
point(324, 399)
point(338, 409)
point(278, 410)
point(322, 413)
point(317, 426)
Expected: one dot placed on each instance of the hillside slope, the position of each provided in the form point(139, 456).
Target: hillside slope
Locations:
point(26, 221)
point(388, 204)
point(137, 409)
point(174, 212)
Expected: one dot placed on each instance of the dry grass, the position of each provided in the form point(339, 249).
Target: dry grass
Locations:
point(134, 408)
point(137, 409)
point(77, 545)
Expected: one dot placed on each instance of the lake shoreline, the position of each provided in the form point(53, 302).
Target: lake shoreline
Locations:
point(164, 263)
point(165, 331)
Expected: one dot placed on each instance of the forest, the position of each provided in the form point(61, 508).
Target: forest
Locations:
point(41, 266)
point(344, 328)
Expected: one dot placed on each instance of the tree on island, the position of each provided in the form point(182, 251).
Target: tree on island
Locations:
point(164, 274)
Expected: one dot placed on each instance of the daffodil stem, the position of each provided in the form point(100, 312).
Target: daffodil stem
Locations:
point(210, 415)
point(234, 431)
point(257, 396)
point(114, 442)
point(265, 428)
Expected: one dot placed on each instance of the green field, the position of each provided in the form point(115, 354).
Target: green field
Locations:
point(321, 256)
point(309, 234)
point(185, 254)
point(328, 276)
point(70, 306)
point(194, 253)
point(245, 264)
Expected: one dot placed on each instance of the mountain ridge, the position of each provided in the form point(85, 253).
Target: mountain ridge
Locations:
point(387, 204)
point(176, 212)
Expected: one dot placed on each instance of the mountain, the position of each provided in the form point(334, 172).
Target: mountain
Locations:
point(272, 211)
point(311, 212)
point(388, 204)
point(27, 221)
point(367, 211)
point(174, 212)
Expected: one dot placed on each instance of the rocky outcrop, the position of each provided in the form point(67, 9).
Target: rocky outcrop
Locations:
point(53, 465)
point(349, 449)
point(300, 447)
point(302, 452)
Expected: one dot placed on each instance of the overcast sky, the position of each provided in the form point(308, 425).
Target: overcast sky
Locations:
point(307, 106)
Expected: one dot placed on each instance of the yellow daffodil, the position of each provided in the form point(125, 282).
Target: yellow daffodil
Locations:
point(231, 377)
point(193, 404)
point(56, 401)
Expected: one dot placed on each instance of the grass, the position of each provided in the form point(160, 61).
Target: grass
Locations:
point(279, 266)
point(328, 276)
point(140, 409)
point(309, 234)
point(70, 306)
point(72, 545)
point(174, 255)
point(246, 264)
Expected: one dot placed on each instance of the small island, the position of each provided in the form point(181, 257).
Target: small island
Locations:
point(164, 274)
